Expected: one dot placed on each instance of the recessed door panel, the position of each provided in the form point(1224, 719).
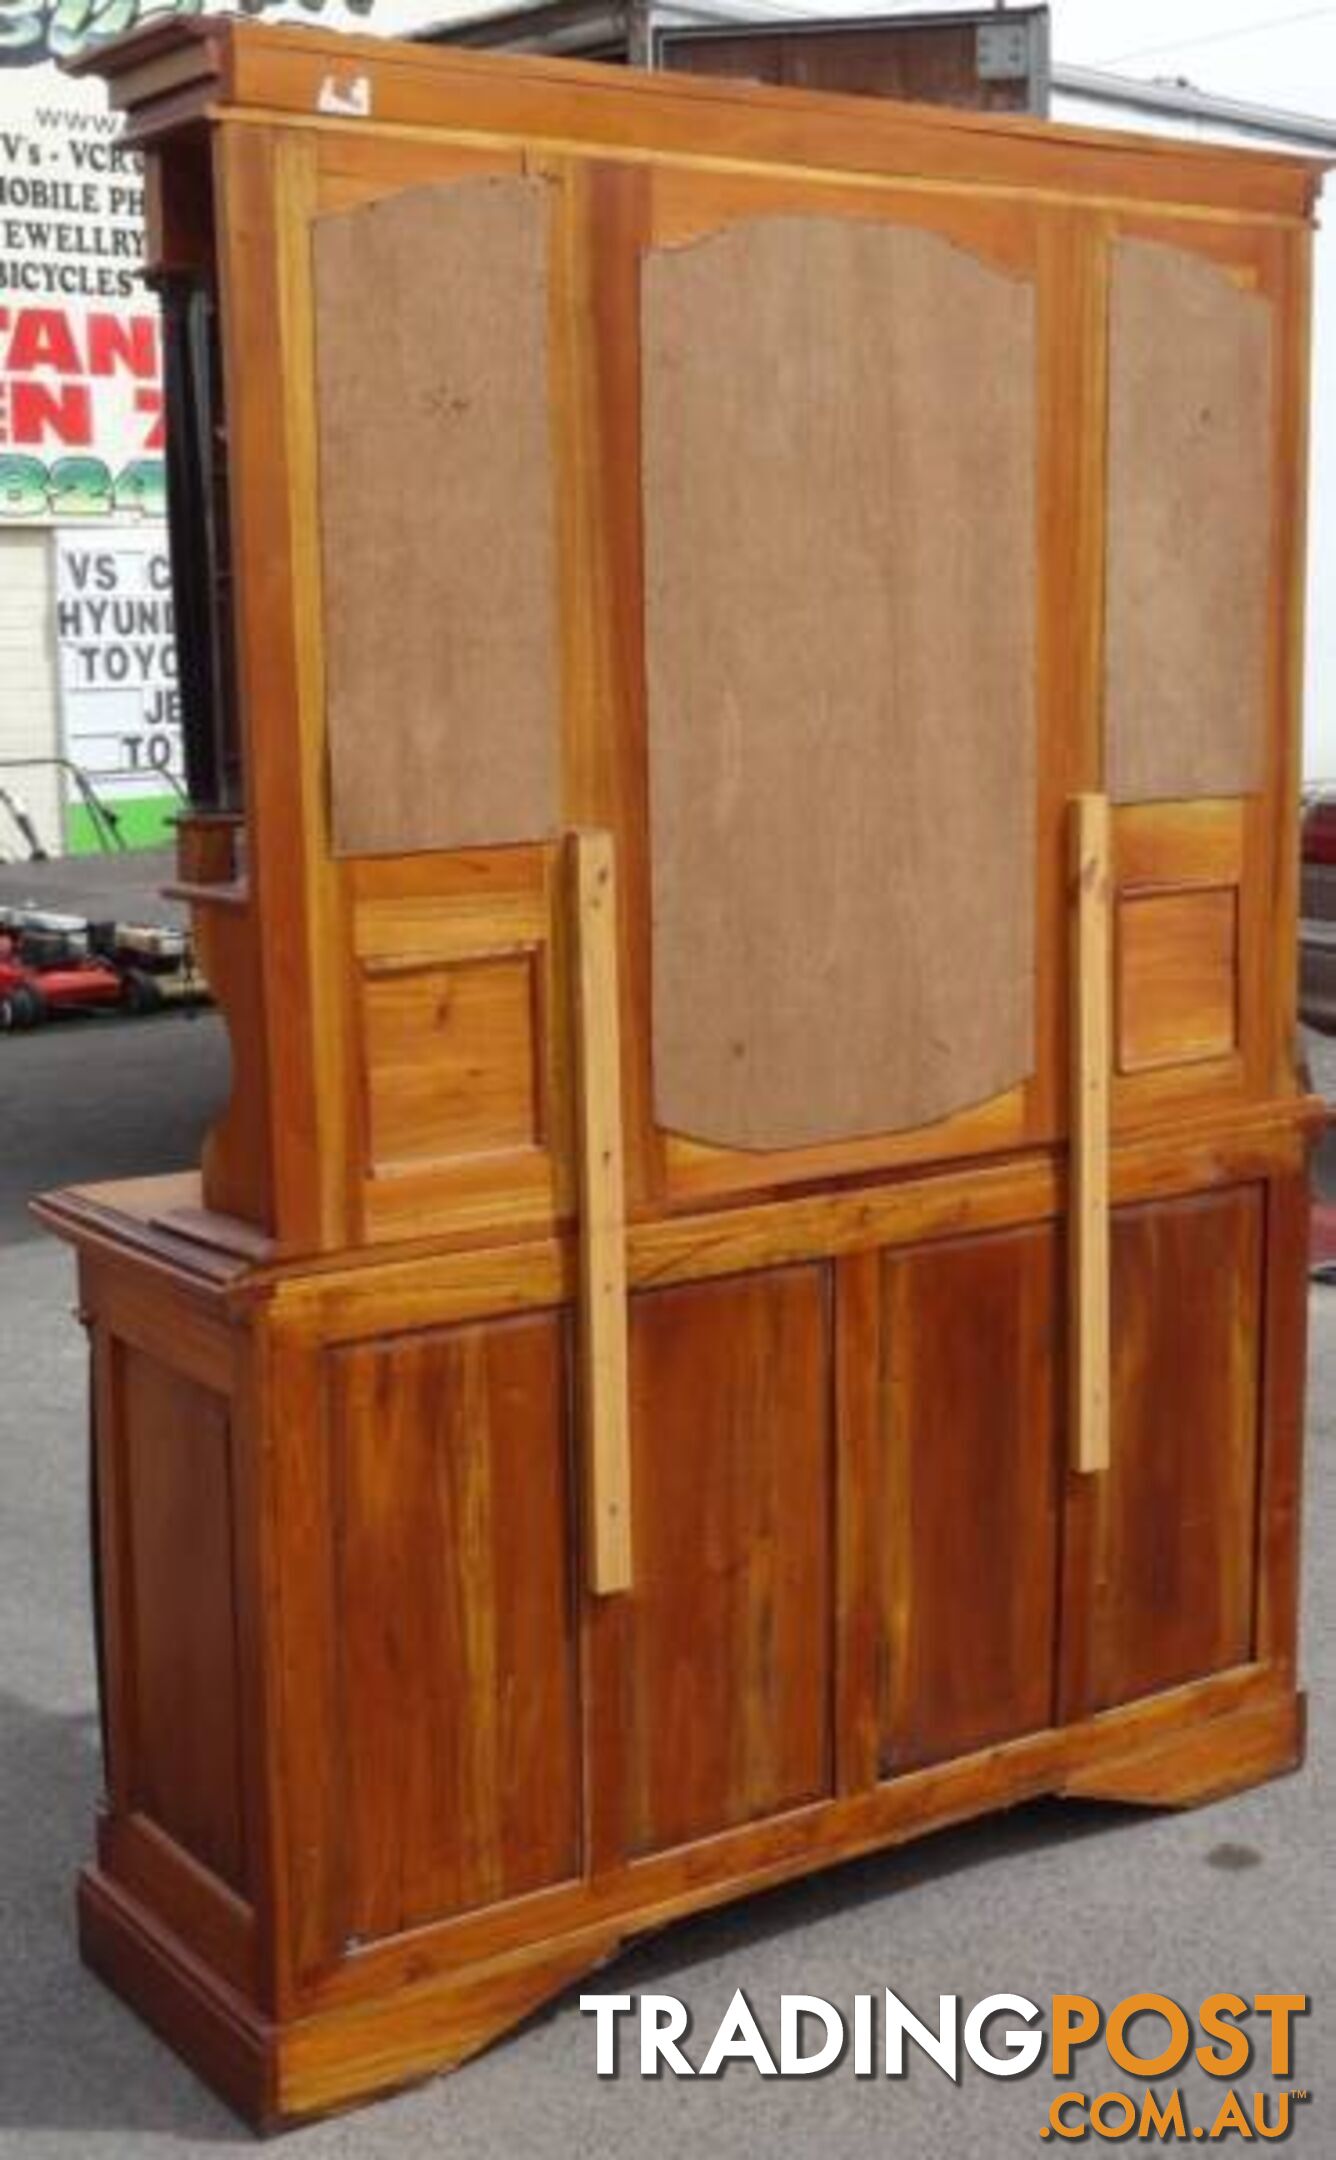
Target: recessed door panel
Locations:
point(454, 1585)
point(967, 1495)
point(1161, 1548)
point(726, 1659)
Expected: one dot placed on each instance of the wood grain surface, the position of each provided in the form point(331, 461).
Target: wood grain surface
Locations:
point(839, 624)
point(933, 63)
point(749, 475)
point(452, 1064)
point(1090, 1055)
point(727, 1682)
point(1160, 1552)
point(604, 1386)
point(461, 1762)
point(1178, 976)
point(968, 1497)
point(184, 1760)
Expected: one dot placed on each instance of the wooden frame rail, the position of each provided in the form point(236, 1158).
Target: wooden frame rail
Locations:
point(602, 1314)
point(1088, 1233)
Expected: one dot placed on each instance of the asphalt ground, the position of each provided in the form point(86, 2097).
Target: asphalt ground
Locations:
point(102, 1095)
point(1103, 1902)
point(124, 887)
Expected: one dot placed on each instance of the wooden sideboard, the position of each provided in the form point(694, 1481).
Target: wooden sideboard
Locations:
point(742, 656)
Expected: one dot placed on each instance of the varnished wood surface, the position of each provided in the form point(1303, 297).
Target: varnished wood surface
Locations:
point(639, 170)
point(276, 71)
point(1265, 1741)
point(462, 1111)
point(1186, 1746)
point(184, 1742)
point(865, 1593)
point(603, 221)
point(452, 1053)
point(1177, 984)
point(1160, 1562)
point(879, 1442)
point(471, 1276)
point(238, 1150)
point(1281, 1421)
point(725, 1690)
point(452, 1531)
point(264, 190)
point(967, 1510)
point(774, 1324)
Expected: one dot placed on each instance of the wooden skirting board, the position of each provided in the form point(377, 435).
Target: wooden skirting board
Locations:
point(1202, 1744)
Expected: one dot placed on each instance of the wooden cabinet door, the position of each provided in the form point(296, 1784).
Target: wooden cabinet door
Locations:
point(966, 1484)
point(453, 1564)
point(714, 1671)
point(1161, 1549)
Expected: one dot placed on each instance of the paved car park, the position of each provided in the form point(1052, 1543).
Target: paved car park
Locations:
point(1240, 1896)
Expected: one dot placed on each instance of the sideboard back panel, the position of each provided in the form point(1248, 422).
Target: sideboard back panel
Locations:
point(1190, 526)
point(437, 516)
point(839, 629)
point(759, 944)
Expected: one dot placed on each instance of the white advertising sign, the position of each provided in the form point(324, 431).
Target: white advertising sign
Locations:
point(117, 662)
point(80, 351)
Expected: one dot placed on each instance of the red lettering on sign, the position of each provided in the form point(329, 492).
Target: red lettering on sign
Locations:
point(129, 343)
point(149, 402)
point(39, 414)
point(42, 339)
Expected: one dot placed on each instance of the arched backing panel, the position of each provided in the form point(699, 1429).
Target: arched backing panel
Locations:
point(1189, 526)
point(437, 516)
point(839, 458)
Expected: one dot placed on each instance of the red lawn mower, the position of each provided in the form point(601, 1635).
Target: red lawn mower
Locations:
point(47, 966)
point(51, 964)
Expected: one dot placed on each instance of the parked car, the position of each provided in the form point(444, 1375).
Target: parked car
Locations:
point(1317, 910)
